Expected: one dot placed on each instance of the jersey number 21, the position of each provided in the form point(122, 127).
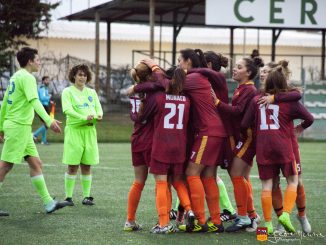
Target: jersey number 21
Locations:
point(173, 110)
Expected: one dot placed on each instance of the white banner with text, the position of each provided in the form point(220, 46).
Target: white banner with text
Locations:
point(308, 14)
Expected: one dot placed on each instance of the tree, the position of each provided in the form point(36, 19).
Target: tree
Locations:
point(21, 19)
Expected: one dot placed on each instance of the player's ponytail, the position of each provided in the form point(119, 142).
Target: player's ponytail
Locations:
point(133, 75)
point(141, 73)
point(276, 81)
point(201, 56)
point(175, 86)
point(217, 60)
point(252, 66)
point(284, 64)
point(196, 57)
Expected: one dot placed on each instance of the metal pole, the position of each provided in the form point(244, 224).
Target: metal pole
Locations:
point(12, 64)
point(303, 82)
point(133, 59)
point(231, 49)
point(258, 39)
point(164, 56)
point(273, 44)
point(108, 60)
point(97, 50)
point(174, 41)
point(160, 46)
point(303, 79)
point(152, 24)
point(322, 75)
point(244, 41)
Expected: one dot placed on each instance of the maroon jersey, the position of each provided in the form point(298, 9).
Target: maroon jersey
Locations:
point(142, 136)
point(171, 115)
point(150, 86)
point(205, 119)
point(240, 101)
point(217, 80)
point(170, 128)
point(273, 126)
point(220, 88)
point(293, 95)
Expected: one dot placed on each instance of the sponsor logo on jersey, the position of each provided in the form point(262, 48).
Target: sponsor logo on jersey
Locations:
point(83, 106)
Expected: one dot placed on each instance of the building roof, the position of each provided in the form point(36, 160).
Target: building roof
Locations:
point(188, 35)
point(137, 11)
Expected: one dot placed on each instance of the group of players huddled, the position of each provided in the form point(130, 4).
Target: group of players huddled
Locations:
point(184, 128)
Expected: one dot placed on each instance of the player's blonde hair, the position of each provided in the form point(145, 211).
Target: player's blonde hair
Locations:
point(141, 73)
point(276, 81)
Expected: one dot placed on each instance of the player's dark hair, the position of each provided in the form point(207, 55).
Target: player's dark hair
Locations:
point(217, 60)
point(195, 55)
point(254, 53)
point(82, 67)
point(44, 78)
point(169, 72)
point(26, 54)
point(175, 86)
point(252, 65)
point(276, 81)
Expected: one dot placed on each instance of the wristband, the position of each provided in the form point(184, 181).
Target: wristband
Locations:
point(155, 67)
point(217, 101)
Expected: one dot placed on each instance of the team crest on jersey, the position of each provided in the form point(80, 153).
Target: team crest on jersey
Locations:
point(90, 98)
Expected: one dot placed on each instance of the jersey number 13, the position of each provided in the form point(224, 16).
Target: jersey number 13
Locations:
point(274, 117)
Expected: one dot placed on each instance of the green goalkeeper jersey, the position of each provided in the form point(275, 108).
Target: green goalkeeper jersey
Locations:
point(16, 106)
point(77, 105)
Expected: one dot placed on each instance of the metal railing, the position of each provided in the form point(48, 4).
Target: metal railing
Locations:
point(303, 67)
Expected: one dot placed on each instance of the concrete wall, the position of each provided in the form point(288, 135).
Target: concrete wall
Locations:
point(122, 52)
